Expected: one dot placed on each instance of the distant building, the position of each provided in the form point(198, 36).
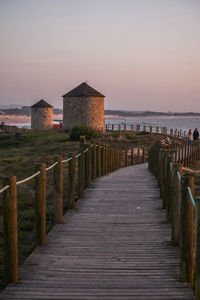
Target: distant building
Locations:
point(41, 116)
point(83, 106)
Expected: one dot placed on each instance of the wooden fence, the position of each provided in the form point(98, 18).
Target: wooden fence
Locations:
point(180, 198)
point(178, 133)
point(93, 160)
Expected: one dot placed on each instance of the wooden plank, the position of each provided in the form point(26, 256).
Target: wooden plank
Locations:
point(114, 245)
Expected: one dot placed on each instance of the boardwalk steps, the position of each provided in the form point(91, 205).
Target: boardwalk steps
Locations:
point(114, 245)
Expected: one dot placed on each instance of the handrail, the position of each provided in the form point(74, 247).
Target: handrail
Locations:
point(190, 196)
point(66, 160)
point(4, 188)
point(51, 167)
point(37, 173)
point(28, 178)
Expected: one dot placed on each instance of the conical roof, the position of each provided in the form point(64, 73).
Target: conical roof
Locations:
point(42, 104)
point(83, 90)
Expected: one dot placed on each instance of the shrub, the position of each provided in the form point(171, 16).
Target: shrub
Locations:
point(79, 130)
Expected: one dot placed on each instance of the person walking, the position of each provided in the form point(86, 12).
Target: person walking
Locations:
point(190, 136)
point(195, 134)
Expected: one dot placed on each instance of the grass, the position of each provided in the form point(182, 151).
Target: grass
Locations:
point(19, 156)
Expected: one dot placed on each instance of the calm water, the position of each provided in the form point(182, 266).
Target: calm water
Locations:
point(184, 123)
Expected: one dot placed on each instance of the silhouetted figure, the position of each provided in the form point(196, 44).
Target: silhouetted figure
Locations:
point(195, 134)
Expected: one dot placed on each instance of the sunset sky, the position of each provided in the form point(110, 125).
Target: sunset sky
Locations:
point(141, 54)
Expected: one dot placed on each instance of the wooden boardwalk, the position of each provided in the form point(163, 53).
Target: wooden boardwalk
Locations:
point(115, 245)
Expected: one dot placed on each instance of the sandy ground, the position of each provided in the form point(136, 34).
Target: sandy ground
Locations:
point(12, 119)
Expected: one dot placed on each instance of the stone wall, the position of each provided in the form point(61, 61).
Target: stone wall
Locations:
point(41, 118)
point(83, 111)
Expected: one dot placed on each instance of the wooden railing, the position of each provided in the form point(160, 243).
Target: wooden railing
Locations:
point(93, 160)
point(137, 128)
point(180, 198)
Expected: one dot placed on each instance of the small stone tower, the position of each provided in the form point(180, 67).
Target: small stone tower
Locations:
point(41, 116)
point(83, 106)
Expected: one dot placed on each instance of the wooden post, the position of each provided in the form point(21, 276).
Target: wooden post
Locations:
point(163, 176)
point(10, 230)
point(99, 158)
point(81, 174)
point(168, 179)
point(197, 250)
point(176, 204)
point(94, 163)
point(185, 154)
point(196, 149)
point(117, 159)
point(114, 165)
point(188, 155)
point(98, 155)
point(114, 159)
point(72, 181)
point(187, 232)
point(138, 155)
point(112, 127)
point(120, 158)
point(143, 155)
point(179, 153)
point(111, 159)
point(126, 158)
point(86, 168)
point(106, 159)
point(89, 165)
point(132, 156)
point(103, 160)
point(40, 189)
point(150, 129)
point(58, 185)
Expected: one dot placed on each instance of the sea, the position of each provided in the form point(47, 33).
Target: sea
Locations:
point(170, 122)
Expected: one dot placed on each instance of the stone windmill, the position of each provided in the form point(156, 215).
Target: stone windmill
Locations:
point(41, 116)
point(83, 106)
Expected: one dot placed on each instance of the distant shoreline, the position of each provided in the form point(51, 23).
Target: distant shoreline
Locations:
point(149, 116)
point(24, 119)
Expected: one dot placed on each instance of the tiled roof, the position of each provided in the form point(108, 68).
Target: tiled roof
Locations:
point(42, 104)
point(83, 90)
